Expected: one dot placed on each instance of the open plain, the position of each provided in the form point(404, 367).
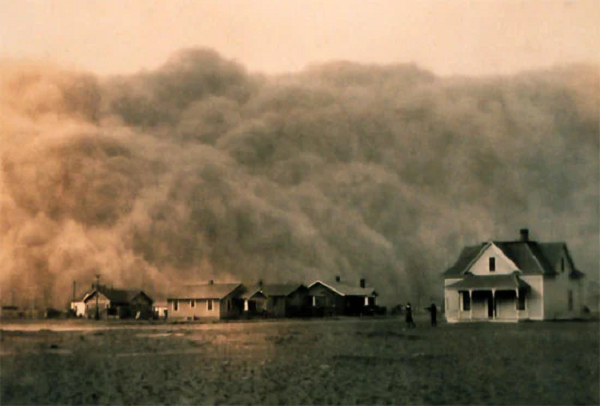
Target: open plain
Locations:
point(333, 361)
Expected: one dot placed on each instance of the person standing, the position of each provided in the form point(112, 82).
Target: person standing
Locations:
point(409, 317)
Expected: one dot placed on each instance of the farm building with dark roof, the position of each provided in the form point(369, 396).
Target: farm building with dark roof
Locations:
point(108, 302)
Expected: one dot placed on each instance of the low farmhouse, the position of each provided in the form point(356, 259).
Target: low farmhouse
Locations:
point(338, 298)
point(287, 300)
point(206, 301)
point(276, 300)
point(108, 302)
point(512, 281)
point(10, 312)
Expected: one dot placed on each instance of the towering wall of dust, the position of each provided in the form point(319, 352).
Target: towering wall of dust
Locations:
point(201, 170)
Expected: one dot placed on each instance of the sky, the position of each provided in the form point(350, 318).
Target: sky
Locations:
point(200, 169)
point(447, 37)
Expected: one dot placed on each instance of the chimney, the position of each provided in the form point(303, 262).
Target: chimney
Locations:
point(211, 282)
point(524, 234)
point(337, 278)
point(260, 282)
point(363, 283)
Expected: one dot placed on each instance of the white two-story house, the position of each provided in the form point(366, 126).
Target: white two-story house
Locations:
point(512, 281)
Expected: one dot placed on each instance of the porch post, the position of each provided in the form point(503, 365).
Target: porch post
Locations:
point(470, 305)
point(493, 304)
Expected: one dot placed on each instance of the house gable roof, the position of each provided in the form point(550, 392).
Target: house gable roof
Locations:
point(271, 290)
point(511, 281)
point(531, 257)
point(204, 291)
point(253, 291)
point(467, 256)
point(344, 289)
point(281, 289)
point(115, 296)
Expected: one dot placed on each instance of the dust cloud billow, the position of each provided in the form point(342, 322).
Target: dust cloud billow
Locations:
point(201, 170)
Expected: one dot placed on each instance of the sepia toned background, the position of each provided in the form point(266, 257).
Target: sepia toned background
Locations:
point(164, 142)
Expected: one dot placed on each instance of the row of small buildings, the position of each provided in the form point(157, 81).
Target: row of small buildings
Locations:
point(492, 281)
point(231, 300)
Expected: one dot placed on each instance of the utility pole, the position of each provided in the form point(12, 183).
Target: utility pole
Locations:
point(97, 294)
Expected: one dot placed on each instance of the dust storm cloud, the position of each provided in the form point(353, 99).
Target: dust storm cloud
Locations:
point(201, 170)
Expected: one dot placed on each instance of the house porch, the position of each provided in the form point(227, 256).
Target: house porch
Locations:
point(493, 305)
point(491, 298)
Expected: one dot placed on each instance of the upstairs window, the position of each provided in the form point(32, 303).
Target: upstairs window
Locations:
point(492, 264)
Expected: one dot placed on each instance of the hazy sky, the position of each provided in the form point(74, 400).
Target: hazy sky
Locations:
point(448, 37)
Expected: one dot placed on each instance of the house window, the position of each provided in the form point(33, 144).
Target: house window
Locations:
point(562, 264)
point(570, 300)
point(492, 264)
point(228, 305)
point(366, 300)
point(466, 302)
point(175, 305)
point(521, 301)
point(209, 304)
point(192, 303)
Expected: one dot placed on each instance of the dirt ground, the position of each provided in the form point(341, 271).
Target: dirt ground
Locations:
point(344, 361)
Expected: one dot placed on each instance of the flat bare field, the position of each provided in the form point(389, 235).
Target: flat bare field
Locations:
point(345, 361)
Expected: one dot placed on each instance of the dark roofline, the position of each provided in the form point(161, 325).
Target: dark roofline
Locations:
point(340, 292)
point(184, 296)
point(470, 254)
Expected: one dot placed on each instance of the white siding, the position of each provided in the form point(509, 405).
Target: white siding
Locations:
point(79, 308)
point(452, 302)
point(506, 306)
point(503, 264)
point(534, 306)
point(556, 293)
point(199, 310)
